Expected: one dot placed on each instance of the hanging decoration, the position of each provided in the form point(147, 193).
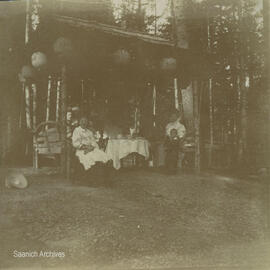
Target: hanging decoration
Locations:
point(39, 59)
point(168, 64)
point(63, 47)
point(27, 72)
point(121, 57)
point(21, 78)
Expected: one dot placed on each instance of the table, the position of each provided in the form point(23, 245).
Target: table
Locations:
point(119, 148)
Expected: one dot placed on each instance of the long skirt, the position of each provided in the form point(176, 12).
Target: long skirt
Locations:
point(88, 160)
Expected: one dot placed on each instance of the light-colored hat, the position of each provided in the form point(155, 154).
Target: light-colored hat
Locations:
point(16, 180)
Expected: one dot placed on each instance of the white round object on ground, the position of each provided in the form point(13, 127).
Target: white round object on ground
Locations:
point(16, 180)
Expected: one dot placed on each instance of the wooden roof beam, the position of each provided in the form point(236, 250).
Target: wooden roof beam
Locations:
point(113, 30)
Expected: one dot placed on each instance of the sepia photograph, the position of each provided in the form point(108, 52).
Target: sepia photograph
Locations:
point(134, 134)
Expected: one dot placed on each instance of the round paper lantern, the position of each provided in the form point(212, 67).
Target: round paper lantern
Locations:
point(27, 72)
point(21, 78)
point(168, 64)
point(39, 59)
point(121, 57)
point(63, 47)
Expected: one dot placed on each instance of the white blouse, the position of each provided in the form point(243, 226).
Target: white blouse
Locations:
point(83, 137)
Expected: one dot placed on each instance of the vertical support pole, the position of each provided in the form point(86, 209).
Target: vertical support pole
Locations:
point(58, 90)
point(135, 119)
point(22, 106)
point(154, 104)
point(3, 140)
point(176, 100)
point(63, 120)
point(195, 87)
point(48, 99)
point(27, 106)
point(27, 22)
point(9, 133)
point(83, 101)
point(35, 150)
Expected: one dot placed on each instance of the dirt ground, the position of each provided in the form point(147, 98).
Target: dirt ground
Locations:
point(145, 220)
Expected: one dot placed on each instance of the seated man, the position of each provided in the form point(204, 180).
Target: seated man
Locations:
point(87, 150)
point(172, 147)
point(176, 129)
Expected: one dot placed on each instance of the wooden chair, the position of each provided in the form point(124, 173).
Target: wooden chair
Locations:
point(47, 141)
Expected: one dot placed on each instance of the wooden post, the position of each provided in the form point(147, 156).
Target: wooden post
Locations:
point(9, 132)
point(48, 99)
point(35, 150)
point(82, 96)
point(58, 91)
point(176, 93)
point(3, 139)
point(22, 111)
point(27, 21)
point(27, 106)
point(154, 104)
point(63, 120)
point(195, 88)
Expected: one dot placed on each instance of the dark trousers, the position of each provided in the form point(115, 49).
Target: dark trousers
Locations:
point(171, 160)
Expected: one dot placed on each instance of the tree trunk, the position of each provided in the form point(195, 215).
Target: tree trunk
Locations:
point(242, 142)
point(266, 75)
point(211, 122)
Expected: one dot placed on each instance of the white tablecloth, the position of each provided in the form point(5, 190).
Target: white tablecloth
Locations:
point(120, 148)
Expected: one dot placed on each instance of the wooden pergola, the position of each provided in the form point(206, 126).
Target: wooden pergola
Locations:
point(76, 24)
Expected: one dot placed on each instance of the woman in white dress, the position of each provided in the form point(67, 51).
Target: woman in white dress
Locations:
point(87, 149)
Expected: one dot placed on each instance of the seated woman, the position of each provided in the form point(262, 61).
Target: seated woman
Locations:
point(87, 150)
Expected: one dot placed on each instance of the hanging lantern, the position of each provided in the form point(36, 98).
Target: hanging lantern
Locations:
point(27, 72)
point(168, 64)
point(21, 78)
point(39, 59)
point(63, 47)
point(121, 57)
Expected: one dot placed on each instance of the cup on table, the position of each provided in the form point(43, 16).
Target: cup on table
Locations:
point(132, 132)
